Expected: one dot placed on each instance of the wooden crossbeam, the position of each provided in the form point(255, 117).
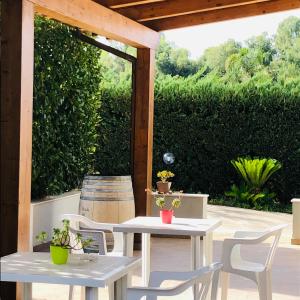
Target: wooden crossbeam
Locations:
point(223, 14)
point(169, 8)
point(98, 19)
point(124, 3)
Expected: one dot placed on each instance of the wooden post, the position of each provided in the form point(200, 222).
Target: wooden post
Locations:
point(17, 44)
point(143, 107)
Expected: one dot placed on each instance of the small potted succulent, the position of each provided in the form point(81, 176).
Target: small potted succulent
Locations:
point(166, 213)
point(163, 186)
point(61, 243)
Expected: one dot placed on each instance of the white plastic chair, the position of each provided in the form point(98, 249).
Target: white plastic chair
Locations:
point(204, 277)
point(234, 263)
point(96, 231)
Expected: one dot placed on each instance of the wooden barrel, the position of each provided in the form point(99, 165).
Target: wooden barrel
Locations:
point(107, 199)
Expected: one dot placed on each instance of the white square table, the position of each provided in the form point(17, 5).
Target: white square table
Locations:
point(200, 231)
point(35, 267)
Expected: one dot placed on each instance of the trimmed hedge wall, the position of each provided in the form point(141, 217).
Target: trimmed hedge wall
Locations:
point(206, 124)
point(66, 103)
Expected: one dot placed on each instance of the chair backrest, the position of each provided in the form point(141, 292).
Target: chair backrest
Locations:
point(79, 221)
point(275, 232)
point(98, 244)
point(260, 237)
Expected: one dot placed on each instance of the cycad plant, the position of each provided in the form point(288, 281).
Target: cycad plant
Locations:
point(255, 172)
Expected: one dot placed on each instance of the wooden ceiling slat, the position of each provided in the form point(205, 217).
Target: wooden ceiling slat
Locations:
point(124, 3)
point(158, 10)
point(222, 14)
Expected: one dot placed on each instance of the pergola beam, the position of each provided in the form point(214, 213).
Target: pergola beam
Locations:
point(223, 14)
point(143, 111)
point(98, 19)
point(124, 3)
point(17, 44)
point(159, 10)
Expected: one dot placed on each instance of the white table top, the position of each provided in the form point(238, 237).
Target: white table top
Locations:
point(179, 226)
point(37, 267)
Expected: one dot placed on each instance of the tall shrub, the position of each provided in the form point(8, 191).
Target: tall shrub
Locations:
point(206, 124)
point(66, 103)
point(113, 150)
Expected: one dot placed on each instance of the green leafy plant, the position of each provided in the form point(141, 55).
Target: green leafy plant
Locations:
point(255, 172)
point(67, 75)
point(243, 193)
point(162, 203)
point(61, 238)
point(165, 175)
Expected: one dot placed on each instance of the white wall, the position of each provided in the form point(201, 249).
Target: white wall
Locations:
point(46, 214)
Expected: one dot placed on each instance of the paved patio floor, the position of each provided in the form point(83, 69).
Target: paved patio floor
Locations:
point(174, 254)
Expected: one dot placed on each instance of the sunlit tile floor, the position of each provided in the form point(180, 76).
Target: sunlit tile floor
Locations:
point(174, 254)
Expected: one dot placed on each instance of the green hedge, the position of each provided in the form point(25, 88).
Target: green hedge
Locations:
point(206, 124)
point(113, 150)
point(66, 103)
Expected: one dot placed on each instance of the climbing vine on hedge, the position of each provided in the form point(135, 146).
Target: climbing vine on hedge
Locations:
point(66, 103)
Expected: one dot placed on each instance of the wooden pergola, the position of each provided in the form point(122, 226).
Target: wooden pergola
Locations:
point(132, 22)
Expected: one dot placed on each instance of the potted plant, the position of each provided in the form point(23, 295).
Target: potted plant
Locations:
point(163, 186)
point(61, 243)
point(166, 213)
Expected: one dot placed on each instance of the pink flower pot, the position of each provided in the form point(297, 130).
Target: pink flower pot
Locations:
point(166, 216)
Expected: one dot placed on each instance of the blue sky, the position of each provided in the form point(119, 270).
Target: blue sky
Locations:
point(196, 39)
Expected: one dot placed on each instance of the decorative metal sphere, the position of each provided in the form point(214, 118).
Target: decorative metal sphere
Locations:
point(168, 158)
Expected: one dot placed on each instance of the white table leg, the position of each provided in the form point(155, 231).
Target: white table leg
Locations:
point(196, 259)
point(127, 244)
point(146, 244)
point(208, 248)
point(120, 289)
point(208, 254)
point(26, 289)
point(128, 251)
point(91, 293)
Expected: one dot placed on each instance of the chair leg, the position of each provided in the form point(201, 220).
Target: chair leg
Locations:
point(224, 285)
point(264, 284)
point(71, 292)
point(82, 291)
point(111, 292)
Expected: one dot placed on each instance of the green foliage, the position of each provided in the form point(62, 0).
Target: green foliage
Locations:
point(66, 103)
point(112, 156)
point(62, 238)
point(174, 61)
point(207, 123)
point(163, 204)
point(243, 193)
point(255, 172)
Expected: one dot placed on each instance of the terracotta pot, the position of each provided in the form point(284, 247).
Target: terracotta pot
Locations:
point(163, 187)
point(166, 216)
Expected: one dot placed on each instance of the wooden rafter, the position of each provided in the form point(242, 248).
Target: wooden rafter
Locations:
point(225, 14)
point(169, 8)
point(124, 3)
point(98, 19)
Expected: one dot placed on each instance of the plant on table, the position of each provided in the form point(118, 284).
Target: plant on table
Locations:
point(62, 242)
point(167, 211)
point(255, 172)
point(164, 185)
